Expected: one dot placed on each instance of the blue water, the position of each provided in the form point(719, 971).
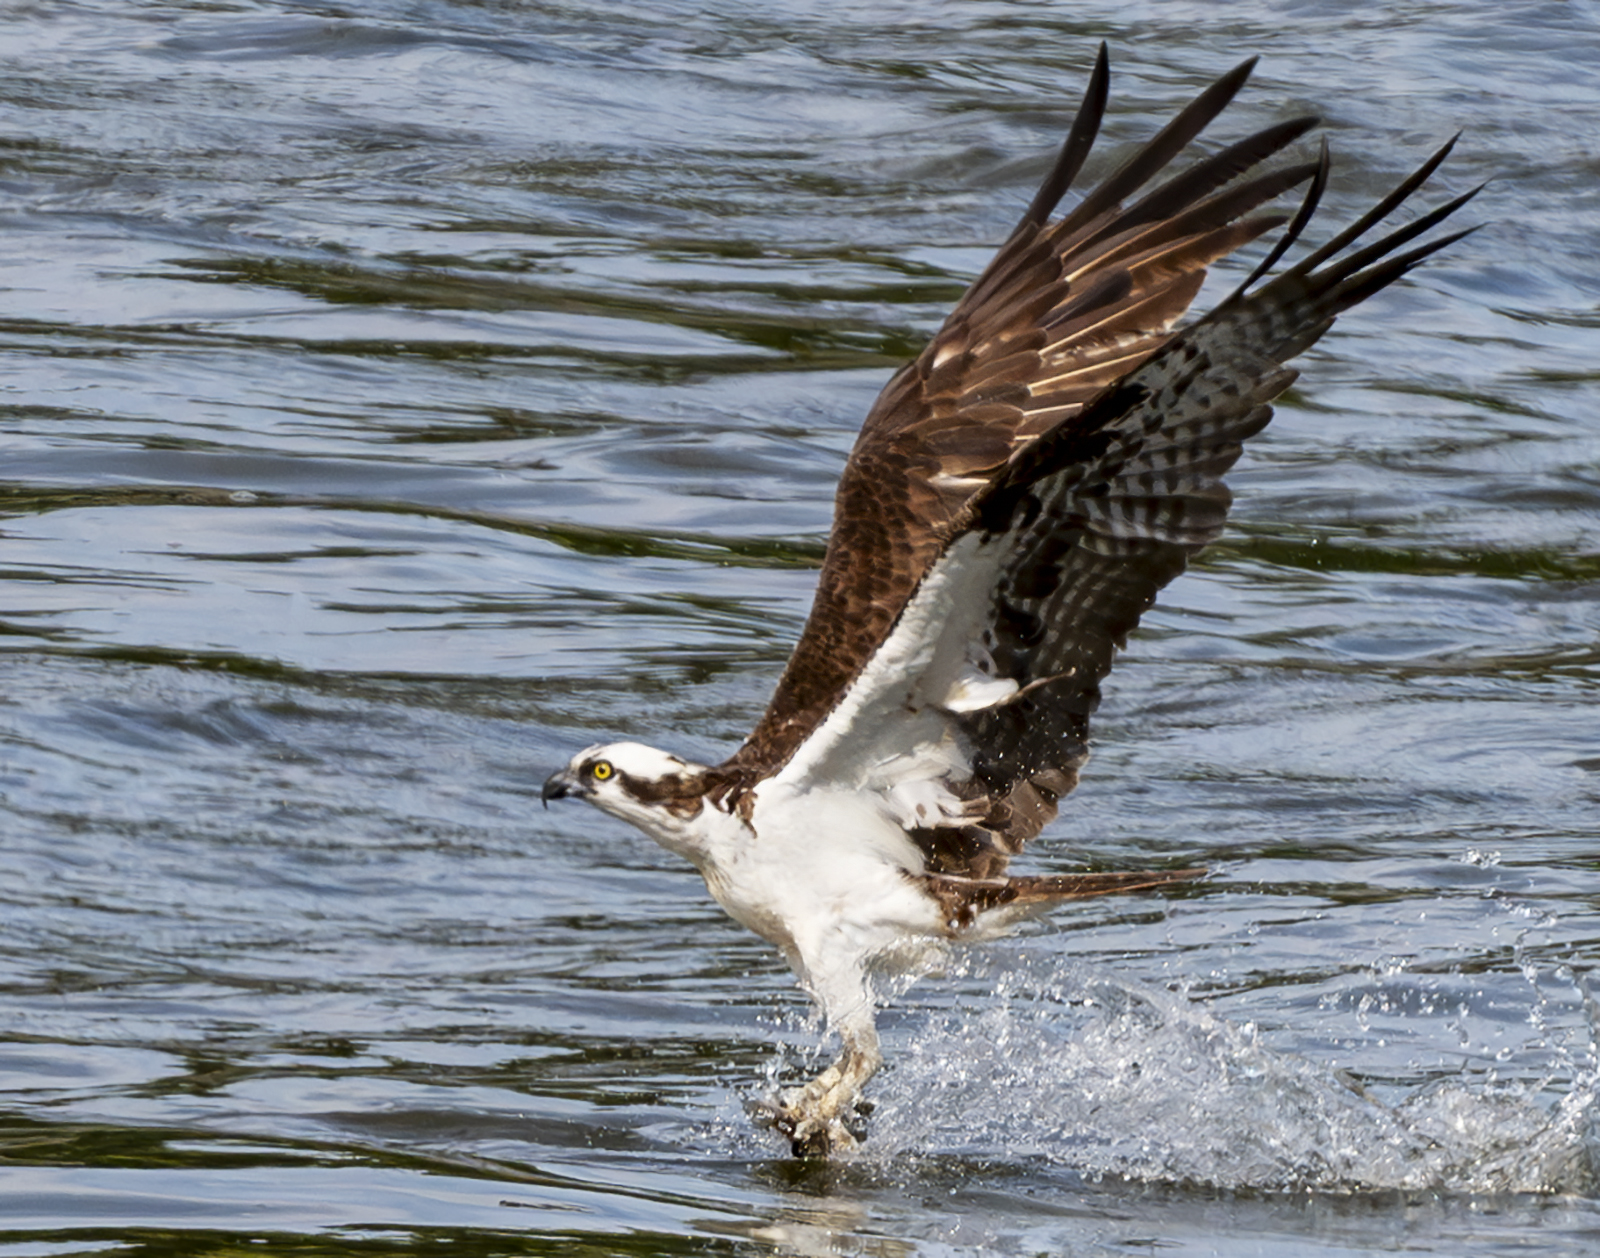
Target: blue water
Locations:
point(397, 397)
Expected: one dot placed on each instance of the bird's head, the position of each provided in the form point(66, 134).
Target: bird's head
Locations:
point(657, 792)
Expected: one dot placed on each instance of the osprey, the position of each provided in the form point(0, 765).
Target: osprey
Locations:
point(1016, 498)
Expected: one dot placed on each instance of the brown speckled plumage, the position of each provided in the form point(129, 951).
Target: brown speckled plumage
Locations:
point(1058, 410)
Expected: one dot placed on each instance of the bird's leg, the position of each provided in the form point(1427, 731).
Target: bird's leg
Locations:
point(816, 1116)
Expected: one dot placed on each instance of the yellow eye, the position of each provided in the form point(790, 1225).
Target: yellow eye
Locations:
point(601, 770)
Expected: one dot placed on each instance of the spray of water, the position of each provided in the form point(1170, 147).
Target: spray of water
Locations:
point(1112, 1078)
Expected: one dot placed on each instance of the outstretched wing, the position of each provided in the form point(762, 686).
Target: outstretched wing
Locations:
point(1064, 310)
point(971, 719)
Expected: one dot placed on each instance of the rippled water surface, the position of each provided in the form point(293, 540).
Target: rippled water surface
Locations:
point(397, 396)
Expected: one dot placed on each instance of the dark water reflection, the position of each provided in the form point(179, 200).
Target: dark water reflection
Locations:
point(397, 396)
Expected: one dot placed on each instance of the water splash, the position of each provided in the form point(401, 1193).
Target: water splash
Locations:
point(1111, 1078)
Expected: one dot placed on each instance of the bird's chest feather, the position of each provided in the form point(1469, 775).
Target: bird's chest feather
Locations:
point(821, 872)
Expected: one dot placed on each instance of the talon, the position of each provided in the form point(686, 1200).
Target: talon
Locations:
point(813, 1138)
point(812, 1131)
point(826, 1115)
point(811, 1144)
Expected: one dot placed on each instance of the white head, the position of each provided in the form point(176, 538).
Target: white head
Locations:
point(657, 792)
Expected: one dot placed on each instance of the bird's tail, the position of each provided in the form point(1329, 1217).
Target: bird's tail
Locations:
point(1002, 900)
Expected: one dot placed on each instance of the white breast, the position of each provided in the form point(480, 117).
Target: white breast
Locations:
point(824, 875)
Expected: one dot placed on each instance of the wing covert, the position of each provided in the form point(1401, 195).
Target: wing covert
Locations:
point(1054, 457)
point(975, 709)
point(1064, 309)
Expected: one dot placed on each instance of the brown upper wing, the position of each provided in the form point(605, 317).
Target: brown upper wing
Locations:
point(970, 720)
point(1064, 310)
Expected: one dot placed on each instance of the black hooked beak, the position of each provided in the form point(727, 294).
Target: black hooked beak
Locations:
point(557, 786)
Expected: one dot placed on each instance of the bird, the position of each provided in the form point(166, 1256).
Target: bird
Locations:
point(1016, 497)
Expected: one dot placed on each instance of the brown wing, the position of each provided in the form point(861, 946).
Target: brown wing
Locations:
point(971, 719)
point(1064, 310)
point(1096, 517)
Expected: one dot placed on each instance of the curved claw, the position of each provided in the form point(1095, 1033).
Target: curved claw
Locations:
point(823, 1117)
point(811, 1135)
point(815, 1137)
point(827, 1115)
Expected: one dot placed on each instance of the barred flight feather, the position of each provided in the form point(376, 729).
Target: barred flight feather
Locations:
point(1060, 425)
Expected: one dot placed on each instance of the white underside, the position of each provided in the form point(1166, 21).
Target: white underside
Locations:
point(824, 868)
point(829, 882)
point(892, 734)
point(825, 873)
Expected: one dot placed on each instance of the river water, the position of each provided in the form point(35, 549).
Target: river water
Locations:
point(395, 397)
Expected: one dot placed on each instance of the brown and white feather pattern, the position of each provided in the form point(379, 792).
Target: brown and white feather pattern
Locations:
point(1022, 491)
point(1064, 309)
point(1017, 498)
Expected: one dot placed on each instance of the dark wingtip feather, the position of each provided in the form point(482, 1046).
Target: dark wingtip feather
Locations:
point(1238, 76)
point(1357, 288)
point(1165, 144)
point(1308, 207)
point(1378, 212)
point(1216, 171)
point(1340, 271)
point(1075, 148)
